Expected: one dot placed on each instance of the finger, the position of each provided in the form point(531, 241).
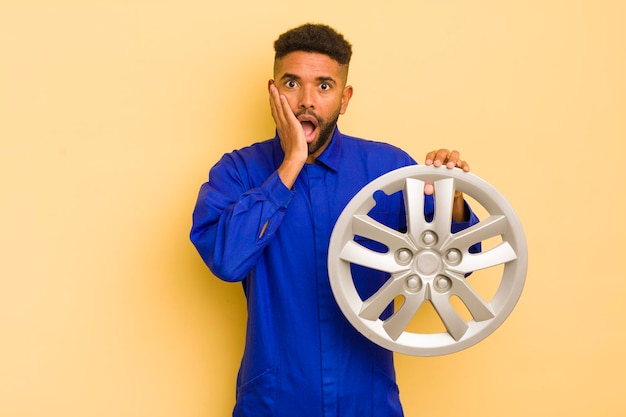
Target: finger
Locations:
point(430, 157)
point(463, 165)
point(429, 188)
point(288, 115)
point(453, 159)
point(275, 105)
point(284, 118)
point(441, 157)
point(282, 107)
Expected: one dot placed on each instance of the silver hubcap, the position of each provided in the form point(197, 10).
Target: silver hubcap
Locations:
point(428, 262)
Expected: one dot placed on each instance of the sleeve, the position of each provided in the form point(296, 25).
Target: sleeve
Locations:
point(232, 223)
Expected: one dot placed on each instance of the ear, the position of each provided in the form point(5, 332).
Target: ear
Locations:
point(345, 98)
point(269, 84)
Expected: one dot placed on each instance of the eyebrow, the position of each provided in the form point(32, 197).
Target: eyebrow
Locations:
point(289, 76)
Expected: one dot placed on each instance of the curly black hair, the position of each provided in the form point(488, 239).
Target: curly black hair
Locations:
point(314, 38)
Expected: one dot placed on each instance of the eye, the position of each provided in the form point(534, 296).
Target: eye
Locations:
point(291, 84)
point(325, 86)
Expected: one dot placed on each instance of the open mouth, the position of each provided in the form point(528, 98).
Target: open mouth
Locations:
point(309, 126)
point(309, 129)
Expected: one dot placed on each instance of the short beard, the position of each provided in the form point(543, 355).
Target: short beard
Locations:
point(326, 133)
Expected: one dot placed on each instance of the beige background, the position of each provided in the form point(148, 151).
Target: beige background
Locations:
point(112, 112)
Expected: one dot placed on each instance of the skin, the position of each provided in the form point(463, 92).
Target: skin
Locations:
point(310, 90)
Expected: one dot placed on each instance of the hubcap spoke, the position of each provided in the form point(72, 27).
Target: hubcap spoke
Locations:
point(414, 202)
point(365, 226)
point(444, 196)
point(478, 308)
point(374, 306)
point(354, 253)
point(395, 325)
point(492, 226)
point(455, 325)
point(498, 255)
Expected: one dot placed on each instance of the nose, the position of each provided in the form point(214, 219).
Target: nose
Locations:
point(306, 99)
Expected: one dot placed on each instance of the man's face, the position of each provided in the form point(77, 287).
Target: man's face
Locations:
point(315, 87)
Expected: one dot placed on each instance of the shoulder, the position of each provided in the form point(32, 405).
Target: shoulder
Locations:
point(258, 150)
point(251, 164)
point(257, 154)
point(379, 150)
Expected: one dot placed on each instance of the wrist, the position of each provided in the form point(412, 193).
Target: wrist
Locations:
point(288, 171)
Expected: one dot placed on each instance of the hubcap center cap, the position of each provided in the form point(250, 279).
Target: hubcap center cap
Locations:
point(428, 262)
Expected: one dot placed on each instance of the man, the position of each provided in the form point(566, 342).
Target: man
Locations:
point(265, 217)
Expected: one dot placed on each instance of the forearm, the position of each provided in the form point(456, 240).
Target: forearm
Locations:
point(288, 172)
point(460, 210)
point(230, 232)
point(469, 220)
